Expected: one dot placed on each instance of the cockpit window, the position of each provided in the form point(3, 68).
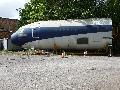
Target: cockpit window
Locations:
point(21, 33)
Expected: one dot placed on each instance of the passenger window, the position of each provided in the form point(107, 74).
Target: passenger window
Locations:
point(83, 40)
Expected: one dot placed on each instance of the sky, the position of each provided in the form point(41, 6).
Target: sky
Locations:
point(8, 8)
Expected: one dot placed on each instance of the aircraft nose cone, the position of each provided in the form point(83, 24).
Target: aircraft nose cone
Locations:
point(14, 38)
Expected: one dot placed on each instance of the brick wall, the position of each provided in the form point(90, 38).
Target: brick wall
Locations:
point(7, 27)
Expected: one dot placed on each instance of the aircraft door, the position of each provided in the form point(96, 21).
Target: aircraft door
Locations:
point(35, 33)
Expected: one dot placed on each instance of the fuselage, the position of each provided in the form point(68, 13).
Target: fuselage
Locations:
point(65, 34)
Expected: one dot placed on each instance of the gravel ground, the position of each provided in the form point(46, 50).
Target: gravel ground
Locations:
point(56, 73)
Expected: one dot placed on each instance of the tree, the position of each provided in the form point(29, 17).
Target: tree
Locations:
point(69, 9)
point(32, 12)
point(114, 10)
point(100, 10)
point(36, 10)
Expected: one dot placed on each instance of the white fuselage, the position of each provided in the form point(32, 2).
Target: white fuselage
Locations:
point(95, 41)
point(65, 34)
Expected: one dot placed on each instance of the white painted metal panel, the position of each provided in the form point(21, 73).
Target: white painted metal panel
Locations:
point(95, 41)
point(77, 22)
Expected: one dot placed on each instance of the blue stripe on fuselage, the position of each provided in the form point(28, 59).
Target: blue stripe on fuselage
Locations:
point(51, 32)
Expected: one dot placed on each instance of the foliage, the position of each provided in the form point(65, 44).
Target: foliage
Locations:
point(36, 10)
point(69, 9)
point(114, 10)
point(32, 12)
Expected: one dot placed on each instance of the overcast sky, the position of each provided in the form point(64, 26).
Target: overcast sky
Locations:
point(8, 8)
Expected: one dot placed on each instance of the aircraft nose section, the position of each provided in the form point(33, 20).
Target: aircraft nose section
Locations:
point(14, 39)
